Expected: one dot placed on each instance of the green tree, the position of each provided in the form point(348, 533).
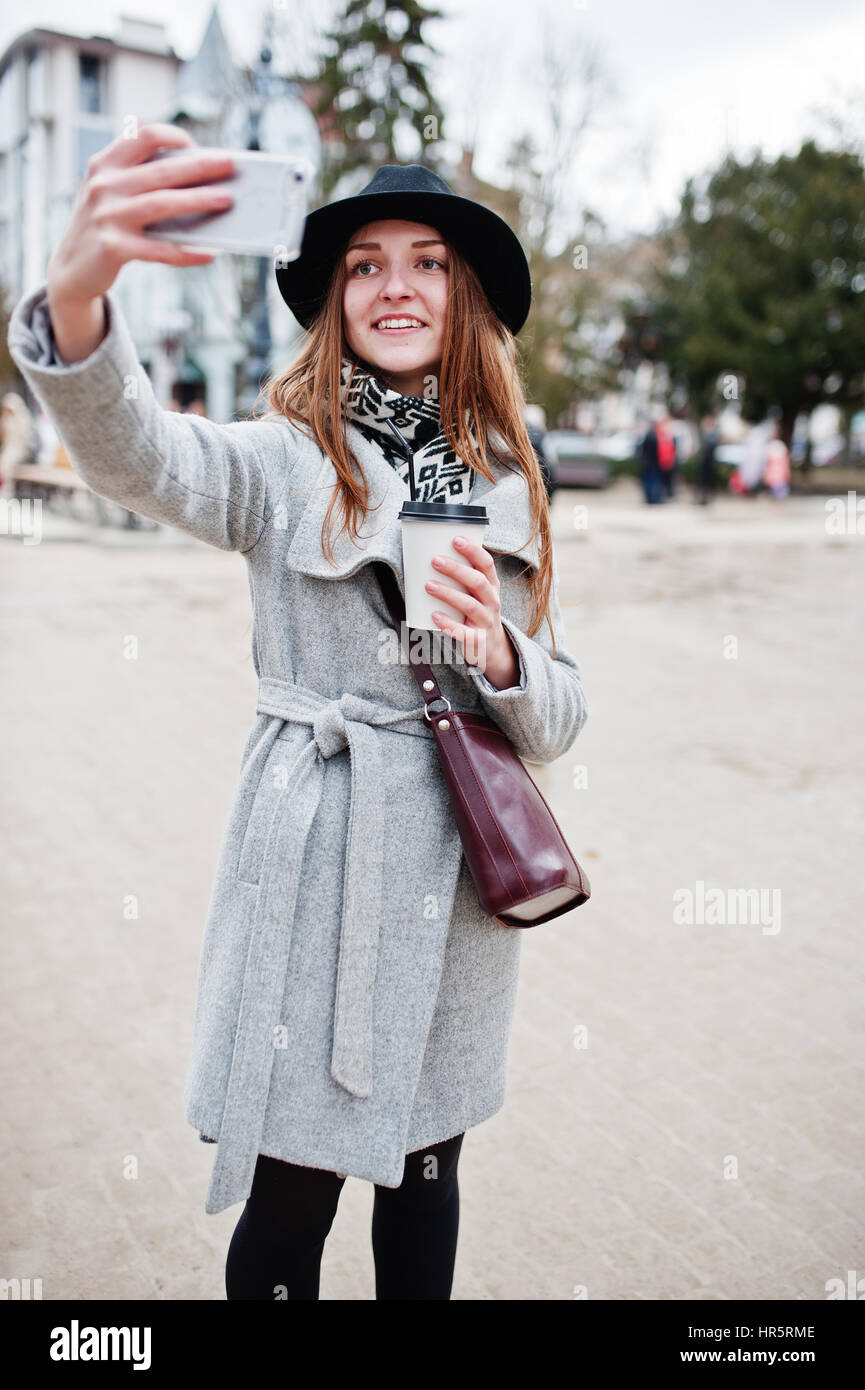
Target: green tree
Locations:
point(549, 347)
point(557, 363)
point(372, 87)
point(762, 285)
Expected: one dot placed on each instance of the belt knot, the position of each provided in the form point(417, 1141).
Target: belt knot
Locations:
point(328, 724)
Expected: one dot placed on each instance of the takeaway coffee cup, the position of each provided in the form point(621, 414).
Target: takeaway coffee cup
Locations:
point(428, 529)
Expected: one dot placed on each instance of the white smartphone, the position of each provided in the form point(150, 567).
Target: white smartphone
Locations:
point(267, 218)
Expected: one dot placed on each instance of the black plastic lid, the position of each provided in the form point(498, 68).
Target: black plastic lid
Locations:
point(443, 511)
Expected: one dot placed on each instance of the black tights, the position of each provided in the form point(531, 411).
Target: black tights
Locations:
point(275, 1252)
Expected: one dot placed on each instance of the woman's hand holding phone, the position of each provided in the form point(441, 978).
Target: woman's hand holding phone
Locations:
point(124, 190)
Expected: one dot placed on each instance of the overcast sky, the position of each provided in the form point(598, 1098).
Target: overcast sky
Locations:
point(683, 80)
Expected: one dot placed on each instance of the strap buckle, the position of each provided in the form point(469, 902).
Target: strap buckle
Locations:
point(439, 699)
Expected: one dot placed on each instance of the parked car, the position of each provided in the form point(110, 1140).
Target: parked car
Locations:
point(582, 460)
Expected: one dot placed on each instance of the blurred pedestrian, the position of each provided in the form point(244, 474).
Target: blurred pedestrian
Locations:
point(707, 472)
point(650, 468)
point(776, 474)
point(46, 440)
point(16, 437)
point(753, 463)
point(667, 459)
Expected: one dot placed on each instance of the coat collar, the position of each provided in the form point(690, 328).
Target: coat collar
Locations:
point(380, 535)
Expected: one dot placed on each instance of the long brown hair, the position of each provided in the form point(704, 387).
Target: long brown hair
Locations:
point(480, 390)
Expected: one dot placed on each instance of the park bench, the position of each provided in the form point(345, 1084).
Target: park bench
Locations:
point(47, 477)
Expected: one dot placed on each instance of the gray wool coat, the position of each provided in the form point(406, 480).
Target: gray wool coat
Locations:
point(354, 1001)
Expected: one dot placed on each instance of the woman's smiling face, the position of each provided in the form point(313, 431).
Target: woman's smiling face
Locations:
point(395, 271)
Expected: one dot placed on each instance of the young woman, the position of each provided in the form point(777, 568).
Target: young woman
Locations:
point(354, 1001)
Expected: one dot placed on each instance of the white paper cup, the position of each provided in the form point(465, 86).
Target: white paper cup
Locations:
point(428, 529)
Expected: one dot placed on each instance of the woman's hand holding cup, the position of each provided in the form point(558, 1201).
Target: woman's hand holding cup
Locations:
point(485, 641)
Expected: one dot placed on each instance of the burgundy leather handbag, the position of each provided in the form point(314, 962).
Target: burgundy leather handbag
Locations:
point(519, 859)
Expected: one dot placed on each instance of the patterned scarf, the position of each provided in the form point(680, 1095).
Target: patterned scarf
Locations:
point(440, 475)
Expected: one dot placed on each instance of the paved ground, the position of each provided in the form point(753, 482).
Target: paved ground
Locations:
point(684, 1116)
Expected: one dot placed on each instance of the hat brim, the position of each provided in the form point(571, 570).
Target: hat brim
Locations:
point(478, 233)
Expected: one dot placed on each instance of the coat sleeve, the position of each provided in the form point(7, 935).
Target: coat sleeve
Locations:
point(219, 482)
point(542, 714)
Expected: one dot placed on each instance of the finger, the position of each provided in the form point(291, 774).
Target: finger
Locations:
point(448, 624)
point(474, 579)
point(487, 591)
point(143, 248)
point(154, 207)
point(472, 640)
point(464, 603)
point(480, 558)
point(132, 149)
point(197, 167)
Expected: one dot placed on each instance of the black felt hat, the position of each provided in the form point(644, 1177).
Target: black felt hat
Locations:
point(415, 194)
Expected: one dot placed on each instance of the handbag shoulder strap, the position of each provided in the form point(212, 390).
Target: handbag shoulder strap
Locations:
point(423, 674)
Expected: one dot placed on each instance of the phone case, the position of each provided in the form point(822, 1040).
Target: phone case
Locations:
point(271, 198)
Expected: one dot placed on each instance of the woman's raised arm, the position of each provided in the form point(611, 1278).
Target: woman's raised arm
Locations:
point(73, 346)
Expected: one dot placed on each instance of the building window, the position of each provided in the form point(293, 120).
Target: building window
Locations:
point(92, 85)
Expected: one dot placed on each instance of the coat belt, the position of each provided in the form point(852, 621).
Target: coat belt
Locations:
point(348, 722)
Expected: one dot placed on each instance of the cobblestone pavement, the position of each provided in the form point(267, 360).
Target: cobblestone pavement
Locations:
point(684, 1113)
